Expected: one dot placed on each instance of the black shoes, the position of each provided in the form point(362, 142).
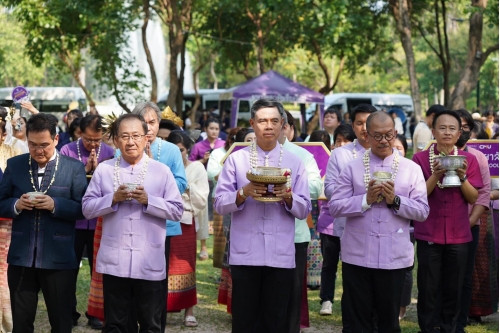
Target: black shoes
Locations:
point(93, 322)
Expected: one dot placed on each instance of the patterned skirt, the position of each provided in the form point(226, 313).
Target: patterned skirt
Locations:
point(485, 276)
point(226, 290)
point(314, 257)
point(219, 240)
point(182, 270)
point(95, 305)
point(5, 310)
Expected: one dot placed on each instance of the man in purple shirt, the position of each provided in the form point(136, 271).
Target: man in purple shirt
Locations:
point(90, 150)
point(262, 250)
point(376, 246)
point(331, 230)
point(135, 194)
point(442, 239)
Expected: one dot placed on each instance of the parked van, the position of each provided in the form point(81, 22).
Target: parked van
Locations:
point(208, 97)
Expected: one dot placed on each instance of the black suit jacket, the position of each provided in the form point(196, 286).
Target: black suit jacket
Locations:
point(39, 238)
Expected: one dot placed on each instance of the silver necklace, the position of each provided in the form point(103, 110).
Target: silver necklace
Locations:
point(80, 154)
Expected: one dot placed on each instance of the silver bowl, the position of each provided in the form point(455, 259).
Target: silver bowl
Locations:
point(381, 177)
point(451, 163)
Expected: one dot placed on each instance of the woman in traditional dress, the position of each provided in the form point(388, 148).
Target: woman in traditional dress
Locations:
point(6, 151)
point(182, 264)
point(201, 152)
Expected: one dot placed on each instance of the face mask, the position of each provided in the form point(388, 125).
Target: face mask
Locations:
point(464, 137)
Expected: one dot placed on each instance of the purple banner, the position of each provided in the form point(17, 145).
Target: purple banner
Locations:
point(320, 152)
point(490, 149)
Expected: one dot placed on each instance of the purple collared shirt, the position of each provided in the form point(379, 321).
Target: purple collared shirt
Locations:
point(71, 150)
point(133, 234)
point(379, 237)
point(448, 221)
point(262, 234)
point(339, 158)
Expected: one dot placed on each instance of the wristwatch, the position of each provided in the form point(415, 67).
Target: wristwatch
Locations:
point(395, 203)
point(462, 180)
point(242, 194)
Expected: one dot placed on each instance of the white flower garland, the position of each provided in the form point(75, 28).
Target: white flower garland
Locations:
point(253, 157)
point(366, 163)
point(431, 160)
point(159, 149)
point(79, 153)
point(138, 181)
point(53, 176)
point(354, 152)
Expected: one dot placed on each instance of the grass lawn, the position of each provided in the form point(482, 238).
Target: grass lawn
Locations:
point(212, 317)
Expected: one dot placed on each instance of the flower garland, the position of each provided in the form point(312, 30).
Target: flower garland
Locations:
point(53, 176)
point(138, 181)
point(79, 153)
point(253, 157)
point(366, 163)
point(354, 152)
point(431, 160)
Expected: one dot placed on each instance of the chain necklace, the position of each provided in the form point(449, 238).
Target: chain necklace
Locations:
point(140, 178)
point(366, 163)
point(53, 176)
point(431, 160)
point(253, 157)
point(354, 152)
point(79, 153)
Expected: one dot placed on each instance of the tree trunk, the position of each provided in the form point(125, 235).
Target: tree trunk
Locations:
point(475, 59)
point(154, 80)
point(180, 91)
point(401, 14)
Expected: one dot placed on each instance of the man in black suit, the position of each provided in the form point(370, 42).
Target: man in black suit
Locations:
point(41, 254)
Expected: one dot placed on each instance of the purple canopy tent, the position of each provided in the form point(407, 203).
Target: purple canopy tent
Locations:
point(273, 85)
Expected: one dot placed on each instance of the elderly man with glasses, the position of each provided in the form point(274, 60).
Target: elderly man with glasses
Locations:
point(135, 195)
point(376, 246)
point(90, 150)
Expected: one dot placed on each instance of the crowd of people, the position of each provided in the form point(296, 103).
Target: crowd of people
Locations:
point(138, 192)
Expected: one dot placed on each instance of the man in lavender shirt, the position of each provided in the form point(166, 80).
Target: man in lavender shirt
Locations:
point(262, 250)
point(330, 230)
point(90, 150)
point(376, 246)
point(135, 194)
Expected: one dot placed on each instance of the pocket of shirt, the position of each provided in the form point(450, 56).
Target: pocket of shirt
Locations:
point(109, 250)
point(399, 245)
point(354, 242)
point(154, 257)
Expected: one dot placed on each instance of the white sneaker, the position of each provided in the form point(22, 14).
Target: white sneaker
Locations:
point(326, 308)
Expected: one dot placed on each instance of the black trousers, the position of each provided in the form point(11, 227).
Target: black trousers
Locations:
point(56, 285)
point(441, 268)
point(260, 298)
point(467, 284)
point(83, 237)
point(295, 300)
point(330, 250)
point(132, 323)
point(121, 295)
point(369, 290)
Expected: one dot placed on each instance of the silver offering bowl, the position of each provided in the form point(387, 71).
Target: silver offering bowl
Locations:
point(267, 176)
point(451, 163)
point(381, 177)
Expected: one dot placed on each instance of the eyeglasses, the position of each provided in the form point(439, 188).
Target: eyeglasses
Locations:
point(90, 141)
point(135, 137)
point(379, 137)
point(36, 147)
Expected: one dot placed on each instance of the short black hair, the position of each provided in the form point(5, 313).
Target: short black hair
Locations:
point(479, 130)
point(75, 124)
point(267, 103)
point(462, 113)
point(447, 112)
point(127, 116)
point(77, 113)
point(333, 110)
point(434, 109)
point(211, 120)
point(179, 136)
point(3, 116)
point(42, 122)
point(361, 108)
point(92, 121)
point(321, 136)
point(242, 133)
point(346, 131)
point(402, 138)
point(168, 124)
